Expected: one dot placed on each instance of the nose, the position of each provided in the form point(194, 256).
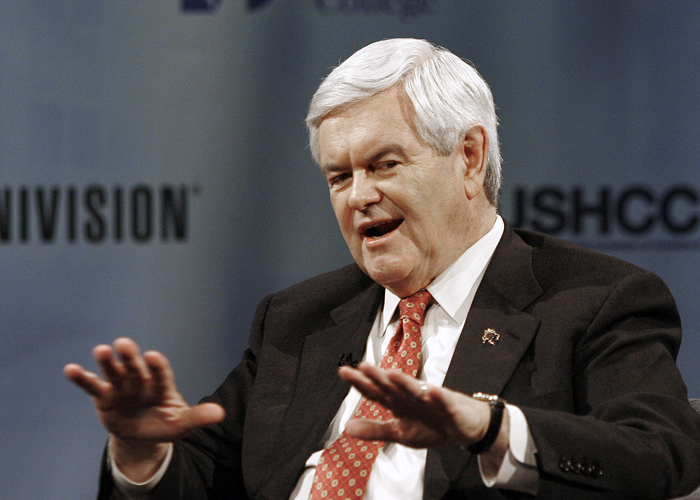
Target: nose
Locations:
point(363, 192)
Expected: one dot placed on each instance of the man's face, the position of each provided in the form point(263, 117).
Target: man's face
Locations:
point(404, 211)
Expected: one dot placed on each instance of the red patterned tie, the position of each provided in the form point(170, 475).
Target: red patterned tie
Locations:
point(344, 467)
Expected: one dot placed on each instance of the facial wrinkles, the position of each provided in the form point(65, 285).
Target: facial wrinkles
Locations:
point(422, 191)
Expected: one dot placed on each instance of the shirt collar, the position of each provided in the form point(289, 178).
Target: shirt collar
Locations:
point(455, 288)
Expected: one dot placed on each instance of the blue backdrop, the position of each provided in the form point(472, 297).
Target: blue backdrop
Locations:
point(156, 181)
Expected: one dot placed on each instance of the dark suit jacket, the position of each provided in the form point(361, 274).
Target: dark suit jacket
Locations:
point(587, 350)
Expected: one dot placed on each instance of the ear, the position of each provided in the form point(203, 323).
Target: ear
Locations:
point(474, 151)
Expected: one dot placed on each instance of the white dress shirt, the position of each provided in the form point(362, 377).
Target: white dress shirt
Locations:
point(398, 472)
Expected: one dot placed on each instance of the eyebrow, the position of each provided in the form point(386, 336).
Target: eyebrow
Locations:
point(329, 169)
point(391, 149)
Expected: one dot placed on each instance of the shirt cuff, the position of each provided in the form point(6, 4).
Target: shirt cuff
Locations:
point(518, 471)
point(133, 490)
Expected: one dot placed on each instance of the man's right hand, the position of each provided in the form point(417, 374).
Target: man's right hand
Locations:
point(140, 406)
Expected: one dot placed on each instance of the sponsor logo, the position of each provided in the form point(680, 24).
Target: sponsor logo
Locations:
point(613, 217)
point(95, 213)
point(401, 8)
point(210, 6)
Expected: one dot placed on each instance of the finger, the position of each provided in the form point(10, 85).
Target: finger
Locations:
point(393, 383)
point(202, 415)
point(376, 384)
point(404, 432)
point(187, 421)
point(415, 399)
point(161, 373)
point(112, 369)
point(86, 380)
point(398, 390)
point(379, 377)
point(361, 382)
point(369, 429)
point(408, 387)
point(450, 401)
point(137, 372)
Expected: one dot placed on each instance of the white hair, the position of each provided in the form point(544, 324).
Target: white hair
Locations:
point(448, 94)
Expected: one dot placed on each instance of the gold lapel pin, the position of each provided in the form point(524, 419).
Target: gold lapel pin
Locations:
point(490, 336)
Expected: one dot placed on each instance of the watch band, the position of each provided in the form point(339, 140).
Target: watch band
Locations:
point(497, 406)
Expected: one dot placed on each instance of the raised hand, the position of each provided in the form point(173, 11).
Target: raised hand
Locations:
point(138, 401)
point(424, 416)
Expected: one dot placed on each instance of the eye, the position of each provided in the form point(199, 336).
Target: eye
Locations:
point(339, 178)
point(386, 165)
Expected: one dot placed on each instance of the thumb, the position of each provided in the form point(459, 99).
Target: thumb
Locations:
point(202, 415)
point(369, 429)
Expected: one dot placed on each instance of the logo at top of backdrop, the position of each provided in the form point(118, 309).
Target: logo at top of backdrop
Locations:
point(205, 6)
point(404, 8)
point(613, 217)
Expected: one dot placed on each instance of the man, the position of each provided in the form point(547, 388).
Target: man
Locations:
point(582, 346)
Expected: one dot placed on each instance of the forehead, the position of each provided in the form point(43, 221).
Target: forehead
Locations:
point(385, 120)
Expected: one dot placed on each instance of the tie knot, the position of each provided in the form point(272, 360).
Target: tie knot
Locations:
point(413, 308)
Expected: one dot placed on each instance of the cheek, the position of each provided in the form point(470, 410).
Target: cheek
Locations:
point(343, 215)
point(432, 218)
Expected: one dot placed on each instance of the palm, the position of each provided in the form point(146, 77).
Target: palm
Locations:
point(422, 418)
point(144, 417)
point(138, 399)
point(432, 425)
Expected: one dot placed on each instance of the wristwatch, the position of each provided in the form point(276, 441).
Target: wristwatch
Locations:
point(497, 406)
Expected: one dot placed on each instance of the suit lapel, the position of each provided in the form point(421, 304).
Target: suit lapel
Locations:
point(323, 391)
point(507, 288)
point(319, 391)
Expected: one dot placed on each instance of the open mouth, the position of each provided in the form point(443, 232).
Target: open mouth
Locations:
point(381, 228)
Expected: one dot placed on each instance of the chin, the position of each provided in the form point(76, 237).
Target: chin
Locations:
point(388, 278)
point(389, 270)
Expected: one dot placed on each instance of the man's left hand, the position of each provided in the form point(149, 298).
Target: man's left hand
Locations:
point(424, 416)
